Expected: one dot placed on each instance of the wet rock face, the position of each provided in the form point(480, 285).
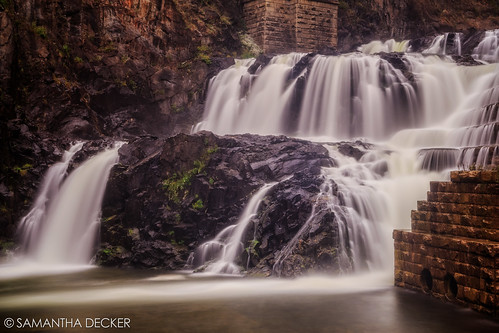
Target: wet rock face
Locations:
point(168, 196)
point(361, 21)
point(87, 70)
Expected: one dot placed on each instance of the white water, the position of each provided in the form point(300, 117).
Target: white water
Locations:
point(67, 233)
point(221, 253)
point(438, 118)
point(448, 43)
point(359, 210)
point(70, 234)
point(242, 105)
point(488, 49)
point(145, 292)
point(388, 46)
point(30, 225)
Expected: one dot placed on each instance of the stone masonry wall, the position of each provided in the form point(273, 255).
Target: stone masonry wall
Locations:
point(280, 26)
point(316, 25)
point(254, 11)
point(279, 34)
point(452, 251)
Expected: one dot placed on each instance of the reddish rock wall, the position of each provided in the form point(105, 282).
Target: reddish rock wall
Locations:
point(452, 251)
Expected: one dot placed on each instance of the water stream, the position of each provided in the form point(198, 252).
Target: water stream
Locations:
point(425, 113)
point(30, 225)
point(220, 253)
point(423, 117)
point(61, 231)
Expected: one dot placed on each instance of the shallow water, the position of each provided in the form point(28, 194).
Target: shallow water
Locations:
point(154, 302)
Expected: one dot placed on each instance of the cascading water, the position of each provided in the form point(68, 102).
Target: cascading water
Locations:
point(242, 105)
point(221, 253)
point(425, 113)
point(389, 46)
point(30, 225)
point(488, 49)
point(448, 43)
point(358, 208)
point(355, 95)
point(66, 226)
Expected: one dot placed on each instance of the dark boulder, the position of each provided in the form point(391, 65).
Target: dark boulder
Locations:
point(168, 196)
point(185, 189)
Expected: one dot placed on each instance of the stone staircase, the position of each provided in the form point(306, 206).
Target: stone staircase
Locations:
point(452, 251)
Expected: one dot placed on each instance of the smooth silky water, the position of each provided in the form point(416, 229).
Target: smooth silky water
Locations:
point(441, 118)
point(177, 302)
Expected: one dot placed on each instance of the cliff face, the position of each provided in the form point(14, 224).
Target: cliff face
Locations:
point(102, 56)
point(103, 70)
point(362, 21)
point(85, 69)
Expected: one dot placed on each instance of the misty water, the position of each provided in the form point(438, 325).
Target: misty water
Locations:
point(155, 302)
point(422, 122)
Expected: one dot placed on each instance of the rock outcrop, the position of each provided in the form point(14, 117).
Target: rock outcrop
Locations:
point(169, 196)
point(88, 70)
point(361, 21)
point(137, 71)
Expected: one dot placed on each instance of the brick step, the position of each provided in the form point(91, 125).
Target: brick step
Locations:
point(464, 198)
point(450, 218)
point(481, 247)
point(404, 241)
point(463, 209)
point(441, 266)
point(483, 176)
point(455, 230)
point(475, 298)
point(482, 283)
point(464, 188)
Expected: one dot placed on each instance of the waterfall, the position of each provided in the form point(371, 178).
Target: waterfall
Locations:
point(68, 223)
point(424, 113)
point(355, 95)
point(221, 253)
point(448, 43)
point(347, 96)
point(30, 225)
point(488, 49)
point(358, 208)
point(389, 46)
point(242, 101)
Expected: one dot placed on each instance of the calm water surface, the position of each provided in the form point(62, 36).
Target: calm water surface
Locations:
point(155, 302)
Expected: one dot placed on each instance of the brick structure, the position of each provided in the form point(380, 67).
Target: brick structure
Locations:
point(279, 26)
point(452, 251)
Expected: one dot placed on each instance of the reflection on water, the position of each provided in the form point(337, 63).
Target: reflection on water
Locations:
point(182, 303)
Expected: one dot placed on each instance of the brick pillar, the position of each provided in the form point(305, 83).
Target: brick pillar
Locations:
point(280, 26)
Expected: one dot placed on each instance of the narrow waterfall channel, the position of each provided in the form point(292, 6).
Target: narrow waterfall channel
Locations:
point(62, 227)
point(424, 113)
point(30, 225)
point(220, 253)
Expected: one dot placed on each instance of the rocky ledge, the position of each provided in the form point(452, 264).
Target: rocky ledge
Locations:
point(168, 196)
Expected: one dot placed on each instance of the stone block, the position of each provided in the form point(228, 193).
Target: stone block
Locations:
point(491, 188)
point(482, 176)
point(464, 198)
point(302, 25)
